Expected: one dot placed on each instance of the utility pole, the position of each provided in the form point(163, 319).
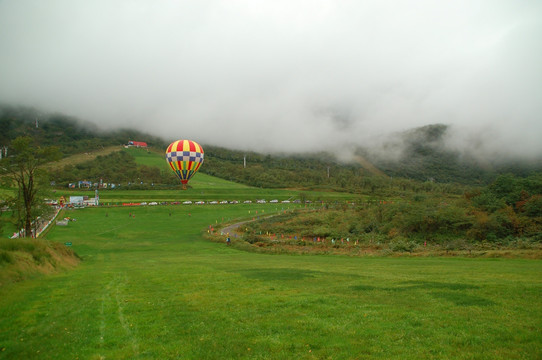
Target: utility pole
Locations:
point(244, 161)
point(328, 172)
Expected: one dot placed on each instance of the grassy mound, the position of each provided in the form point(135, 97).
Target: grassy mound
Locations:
point(21, 259)
point(369, 230)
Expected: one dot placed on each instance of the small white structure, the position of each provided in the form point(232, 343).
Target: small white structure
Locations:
point(77, 200)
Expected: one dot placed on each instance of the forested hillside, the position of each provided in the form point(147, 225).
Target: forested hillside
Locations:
point(424, 156)
point(118, 167)
point(69, 134)
point(423, 159)
point(279, 171)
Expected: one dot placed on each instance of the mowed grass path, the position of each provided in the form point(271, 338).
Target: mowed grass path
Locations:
point(149, 287)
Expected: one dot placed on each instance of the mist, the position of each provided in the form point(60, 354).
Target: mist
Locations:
point(284, 76)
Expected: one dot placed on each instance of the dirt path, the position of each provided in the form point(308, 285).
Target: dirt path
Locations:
point(83, 157)
point(230, 228)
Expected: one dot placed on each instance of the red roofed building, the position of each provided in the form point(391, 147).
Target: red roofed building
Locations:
point(138, 144)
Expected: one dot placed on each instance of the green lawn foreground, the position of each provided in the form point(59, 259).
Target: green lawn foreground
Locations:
point(149, 287)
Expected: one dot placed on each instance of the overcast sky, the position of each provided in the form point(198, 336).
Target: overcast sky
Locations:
point(283, 75)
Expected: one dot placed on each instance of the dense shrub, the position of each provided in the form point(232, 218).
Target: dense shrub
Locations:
point(452, 222)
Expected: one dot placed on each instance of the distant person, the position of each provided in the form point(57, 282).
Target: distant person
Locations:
point(228, 240)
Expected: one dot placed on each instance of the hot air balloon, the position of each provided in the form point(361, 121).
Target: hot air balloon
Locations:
point(185, 157)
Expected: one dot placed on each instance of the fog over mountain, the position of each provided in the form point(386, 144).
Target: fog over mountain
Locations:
point(284, 75)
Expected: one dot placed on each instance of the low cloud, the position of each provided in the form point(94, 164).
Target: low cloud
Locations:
point(284, 75)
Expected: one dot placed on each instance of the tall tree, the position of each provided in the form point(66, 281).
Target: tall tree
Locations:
point(24, 168)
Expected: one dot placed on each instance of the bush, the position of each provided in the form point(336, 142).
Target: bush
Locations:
point(403, 245)
point(488, 202)
point(533, 206)
point(525, 244)
point(457, 244)
point(253, 238)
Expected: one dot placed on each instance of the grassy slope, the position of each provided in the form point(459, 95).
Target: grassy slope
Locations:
point(203, 187)
point(154, 157)
point(150, 287)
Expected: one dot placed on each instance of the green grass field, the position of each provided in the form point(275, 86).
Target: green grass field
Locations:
point(208, 193)
point(206, 188)
point(150, 287)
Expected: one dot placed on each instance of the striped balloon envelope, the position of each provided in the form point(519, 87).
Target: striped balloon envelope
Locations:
point(185, 158)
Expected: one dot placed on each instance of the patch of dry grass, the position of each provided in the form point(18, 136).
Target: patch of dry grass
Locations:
point(21, 259)
point(83, 157)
